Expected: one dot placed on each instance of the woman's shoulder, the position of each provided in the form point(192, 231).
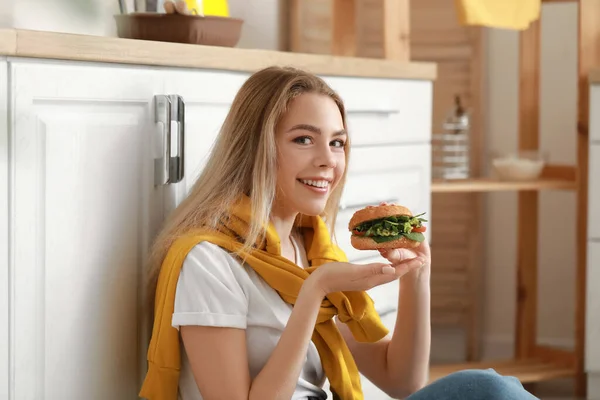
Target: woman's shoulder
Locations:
point(211, 289)
point(207, 264)
point(209, 254)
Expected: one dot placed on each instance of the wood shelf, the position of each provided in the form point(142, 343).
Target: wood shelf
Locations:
point(527, 370)
point(495, 185)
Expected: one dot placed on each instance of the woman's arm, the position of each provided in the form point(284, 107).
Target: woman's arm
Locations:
point(408, 351)
point(218, 356)
point(399, 363)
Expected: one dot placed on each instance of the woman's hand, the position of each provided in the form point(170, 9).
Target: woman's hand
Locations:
point(399, 257)
point(342, 276)
point(407, 258)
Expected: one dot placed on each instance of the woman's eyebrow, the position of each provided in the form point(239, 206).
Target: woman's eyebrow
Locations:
point(314, 129)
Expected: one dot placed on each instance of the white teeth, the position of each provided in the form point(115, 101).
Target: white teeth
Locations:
point(319, 184)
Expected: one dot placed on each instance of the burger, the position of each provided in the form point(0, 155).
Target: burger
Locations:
point(386, 227)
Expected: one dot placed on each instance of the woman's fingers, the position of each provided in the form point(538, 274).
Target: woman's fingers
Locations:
point(397, 255)
point(382, 279)
point(375, 269)
point(375, 274)
point(408, 265)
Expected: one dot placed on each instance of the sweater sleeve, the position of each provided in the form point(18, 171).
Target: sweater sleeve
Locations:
point(208, 292)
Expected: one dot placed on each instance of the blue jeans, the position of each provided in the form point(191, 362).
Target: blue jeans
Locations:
point(474, 384)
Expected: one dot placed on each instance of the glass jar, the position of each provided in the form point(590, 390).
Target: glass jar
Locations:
point(450, 148)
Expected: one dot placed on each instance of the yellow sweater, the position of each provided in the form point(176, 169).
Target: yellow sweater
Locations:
point(353, 308)
point(508, 14)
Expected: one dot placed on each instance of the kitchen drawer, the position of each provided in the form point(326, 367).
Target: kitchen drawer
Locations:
point(594, 192)
point(592, 334)
point(395, 174)
point(386, 111)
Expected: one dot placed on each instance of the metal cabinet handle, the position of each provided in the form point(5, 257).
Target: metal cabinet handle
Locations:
point(176, 158)
point(169, 116)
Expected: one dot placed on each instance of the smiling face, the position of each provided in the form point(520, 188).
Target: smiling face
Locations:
point(311, 151)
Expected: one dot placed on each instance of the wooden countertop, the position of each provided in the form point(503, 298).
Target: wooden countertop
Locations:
point(63, 46)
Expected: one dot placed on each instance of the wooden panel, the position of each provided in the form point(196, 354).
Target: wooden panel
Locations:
point(448, 318)
point(527, 254)
point(492, 185)
point(396, 29)
point(310, 26)
point(344, 28)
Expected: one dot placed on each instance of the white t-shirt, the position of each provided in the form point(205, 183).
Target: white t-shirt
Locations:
point(216, 289)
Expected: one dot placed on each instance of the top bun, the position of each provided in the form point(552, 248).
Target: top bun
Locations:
point(375, 212)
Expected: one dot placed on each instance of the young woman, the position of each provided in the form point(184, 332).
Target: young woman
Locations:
point(248, 282)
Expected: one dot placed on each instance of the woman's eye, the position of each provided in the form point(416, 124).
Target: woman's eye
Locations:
point(303, 140)
point(338, 143)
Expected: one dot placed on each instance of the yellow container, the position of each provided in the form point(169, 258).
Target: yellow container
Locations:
point(209, 7)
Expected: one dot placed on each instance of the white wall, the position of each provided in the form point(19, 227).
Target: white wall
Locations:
point(263, 22)
point(93, 17)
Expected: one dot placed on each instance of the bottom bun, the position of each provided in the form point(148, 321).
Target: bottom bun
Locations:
point(366, 243)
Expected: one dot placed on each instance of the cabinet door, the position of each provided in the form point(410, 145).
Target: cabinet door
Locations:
point(84, 209)
point(207, 96)
point(4, 284)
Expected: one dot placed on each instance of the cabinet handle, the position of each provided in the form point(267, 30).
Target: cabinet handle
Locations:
point(176, 158)
point(169, 116)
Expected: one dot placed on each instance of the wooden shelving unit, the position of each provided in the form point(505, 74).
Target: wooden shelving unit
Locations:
point(553, 177)
point(494, 185)
point(532, 362)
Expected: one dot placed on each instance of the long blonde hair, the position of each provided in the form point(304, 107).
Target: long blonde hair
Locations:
point(244, 161)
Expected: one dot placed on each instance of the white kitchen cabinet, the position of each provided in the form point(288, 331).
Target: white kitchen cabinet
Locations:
point(207, 96)
point(4, 282)
point(385, 111)
point(83, 210)
point(84, 206)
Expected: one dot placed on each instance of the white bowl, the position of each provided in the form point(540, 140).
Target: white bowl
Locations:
point(518, 167)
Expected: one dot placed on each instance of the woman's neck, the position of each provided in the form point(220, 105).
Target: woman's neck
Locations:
point(283, 223)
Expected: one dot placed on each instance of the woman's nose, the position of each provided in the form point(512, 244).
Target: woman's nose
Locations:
point(325, 158)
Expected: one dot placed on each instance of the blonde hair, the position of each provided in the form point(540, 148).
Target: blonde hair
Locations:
point(244, 162)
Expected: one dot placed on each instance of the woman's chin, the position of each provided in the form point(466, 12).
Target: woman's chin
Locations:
point(312, 210)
